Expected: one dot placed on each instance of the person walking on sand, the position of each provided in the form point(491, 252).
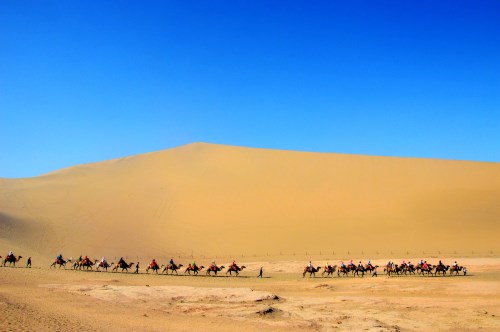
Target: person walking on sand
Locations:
point(137, 268)
point(28, 263)
point(260, 272)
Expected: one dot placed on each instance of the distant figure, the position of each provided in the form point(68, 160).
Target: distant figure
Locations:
point(137, 268)
point(465, 271)
point(260, 272)
point(28, 263)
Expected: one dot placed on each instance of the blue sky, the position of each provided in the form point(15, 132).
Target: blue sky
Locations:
point(85, 81)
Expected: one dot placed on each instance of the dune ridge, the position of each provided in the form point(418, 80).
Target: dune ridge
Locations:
point(214, 199)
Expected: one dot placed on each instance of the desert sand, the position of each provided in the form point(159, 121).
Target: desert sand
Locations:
point(47, 300)
point(276, 209)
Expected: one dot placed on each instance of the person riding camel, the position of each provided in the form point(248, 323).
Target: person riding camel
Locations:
point(351, 263)
point(360, 265)
point(153, 264)
point(121, 262)
point(441, 263)
point(310, 266)
point(103, 262)
point(421, 262)
point(369, 264)
point(426, 265)
point(59, 258)
point(193, 265)
point(213, 266)
point(171, 262)
point(79, 259)
point(455, 264)
point(343, 265)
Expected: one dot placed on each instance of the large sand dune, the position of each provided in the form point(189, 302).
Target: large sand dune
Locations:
point(206, 199)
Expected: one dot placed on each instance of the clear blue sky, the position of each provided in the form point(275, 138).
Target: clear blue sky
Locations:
point(84, 81)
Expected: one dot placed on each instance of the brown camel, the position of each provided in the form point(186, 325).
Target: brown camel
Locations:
point(345, 270)
point(311, 270)
point(370, 268)
point(441, 269)
point(60, 262)
point(87, 264)
point(236, 269)
point(456, 269)
point(104, 266)
point(154, 267)
point(195, 269)
point(12, 260)
point(124, 266)
point(329, 270)
point(172, 267)
point(214, 269)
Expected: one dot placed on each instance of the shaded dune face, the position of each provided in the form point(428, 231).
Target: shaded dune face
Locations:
point(213, 199)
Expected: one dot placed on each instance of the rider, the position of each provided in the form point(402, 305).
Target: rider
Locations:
point(441, 263)
point(171, 261)
point(233, 265)
point(455, 264)
point(121, 261)
point(426, 266)
point(369, 264)
point(343, 265)
point(103, 262)
point(79, 259)
point(60, 257)
point(11, 254)
point(421, 262)
point(86, 259)
point(193, 265)
point(310, 265)
point(213, 265)
point(153, 263)
point(360, 265)
point(351, 263)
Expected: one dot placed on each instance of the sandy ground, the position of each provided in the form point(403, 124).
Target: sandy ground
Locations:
point(65, 300)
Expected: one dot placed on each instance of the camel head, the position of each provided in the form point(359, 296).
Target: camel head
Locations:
point(180, 265)
point(319, 267)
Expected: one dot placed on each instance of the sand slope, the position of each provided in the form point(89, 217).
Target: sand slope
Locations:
point(213, 200)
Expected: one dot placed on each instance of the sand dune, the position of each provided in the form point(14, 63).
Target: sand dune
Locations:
point(206, 199)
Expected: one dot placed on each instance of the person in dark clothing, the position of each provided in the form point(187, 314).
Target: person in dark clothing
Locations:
point(28, 263)
point(137, 268)
point(260, 272)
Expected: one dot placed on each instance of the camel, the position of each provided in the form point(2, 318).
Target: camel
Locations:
point(154, 267)
point(456, 269)
point(311, 270)
point(12, 260)
point(86, 263)
point(359, 269)
point(441, 269)
point(345, 270)
point(123, 266)
point(60, 262)
point(195, 269)
point(370, 268)
point(172, 267)
point(236, 269)
point(214, 269)
point(104, 265)
point(329, 270)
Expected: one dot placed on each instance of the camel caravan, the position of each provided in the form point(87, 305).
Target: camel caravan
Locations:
point(87, 264)
point(343, 270)
point(391, 269)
